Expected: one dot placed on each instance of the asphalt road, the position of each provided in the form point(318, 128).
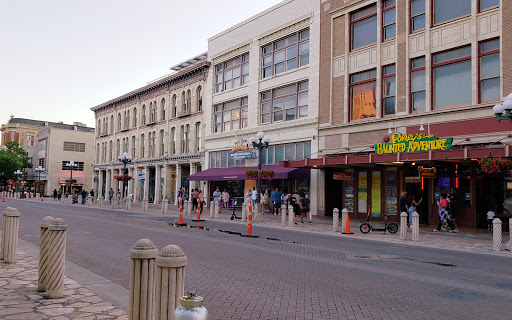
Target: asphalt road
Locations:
point(287, 274)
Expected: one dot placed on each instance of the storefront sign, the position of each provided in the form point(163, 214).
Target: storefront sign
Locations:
point(240, 151)
point(376, 194)
point(413, 143)
point(427, 172)
point(173, 176)
point(142, 176)
point(413, 179)
point(468, 196)
point(509, 185)
point(342, 176)
point(362, 192)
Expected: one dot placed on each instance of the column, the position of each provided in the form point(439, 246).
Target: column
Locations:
point(158, 170)
point(136, 184)
point(192, 184)
point(100, 185)
point(166, 174)
point(108, 173)
point(178, 181)
point(130, 183)
point(146, 183)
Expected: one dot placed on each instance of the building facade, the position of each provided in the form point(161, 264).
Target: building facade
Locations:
point(264, 77)
point(160, 126)
point(406, 95)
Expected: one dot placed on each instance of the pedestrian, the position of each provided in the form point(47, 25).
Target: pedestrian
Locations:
point(91, 193)
point(275, 197)
point(254, 195)
point(200, 200)
point(194, 194)
point(59, 194)
point(292, 201)
point(180, 194)
point(216, 196)
point(490, 218)
point(118, 196)
point(225, 199)
point(54, 194)
point(444, 217)
point(248, 198)
point(84, 196)
point(404, 205)
point(413, 208)
point(264, 202)
point(304, 206)
point(110, 195)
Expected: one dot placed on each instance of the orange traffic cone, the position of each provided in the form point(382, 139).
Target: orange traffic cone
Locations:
point(180, 223)
point(249, 223)
point(41, 199)
point(198, 210)
point(347, 227)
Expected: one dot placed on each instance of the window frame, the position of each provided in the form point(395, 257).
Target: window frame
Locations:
point(273, 97)
point(354, 21)
point(222, 68)
point(479, 7)
point(383, 30)
point(433, 14)
point(272, 53)
point(222, 110)
point(411, 16)
point(355, 83)
point(383, 97)
point(412, 70)
point(482, 54)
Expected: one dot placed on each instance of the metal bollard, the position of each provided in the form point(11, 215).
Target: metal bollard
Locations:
point(142, 280)
point(217, 210)
point(191, 308)
point(44, 250)
point(10, 240)
point(283, 215)
point(170, 281)
point(403, 226)
point(244, 212)
point(508, 246)
point(415, 226)
point(291, 215)
point(212, 207)
point(57, 258)
point(335, 219)
point(344, 215)
point(496, 235)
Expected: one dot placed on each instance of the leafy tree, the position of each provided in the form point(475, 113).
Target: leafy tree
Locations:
point(12, 158)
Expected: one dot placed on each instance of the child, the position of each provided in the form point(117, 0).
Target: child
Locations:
point(490, 217)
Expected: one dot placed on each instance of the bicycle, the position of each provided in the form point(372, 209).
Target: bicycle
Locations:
point(367, 226)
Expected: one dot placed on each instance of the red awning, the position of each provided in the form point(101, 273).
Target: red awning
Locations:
point(238, 173)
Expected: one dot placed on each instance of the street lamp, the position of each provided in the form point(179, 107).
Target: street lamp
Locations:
point(125, 158)
point(17, 173)
point(505, 107)
point(39, 170)
point(71, 164)
point(260, 142)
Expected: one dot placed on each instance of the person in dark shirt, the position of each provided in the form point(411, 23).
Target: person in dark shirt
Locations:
point(304, 207)
point(404, 204)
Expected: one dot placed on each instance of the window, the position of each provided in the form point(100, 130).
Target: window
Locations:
point(42, 145)
point(417, 15)
point(488, 4)
point(183, 102)
point(162, 110)
point(389, 89)
point(143, 116)
point(98, 153)
point(452, 78)
point(135, 117)
point(363, 26)
point(174, 106)
point(118, 148)
point(449, 10)
point(98, 128)
point(173, 141)
point(229, 116)
point(79, 166)
point(220, 159)
point(119, 122)
point(184, 138)
point(362, 93)
point(198, 136)
point(111, 124)
point(418, 85)
point(199, 95)
point(142, 142)
point(389, 20)
point(286, 103)
point(232, 73)
point(490, 70)
point(162, 146)
point(152, 144)
point(189, 100)
point(133, 146)
point(152, 112)
point(41, 162)
point(74, 146)
point(285, 54)
point(295, 151)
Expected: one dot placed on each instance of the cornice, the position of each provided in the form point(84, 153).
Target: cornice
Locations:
point(231, 53)
point(284, 30)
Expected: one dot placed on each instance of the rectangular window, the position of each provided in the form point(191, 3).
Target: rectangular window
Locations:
point(285, 54)
point(417, 15)
point(488, 4)
point(286, 103)
point(389, 89)
point(363, 26)
point(450, 10)
point(229, 116)
point(41, 162)
point(450, 68)
point(42, 145)
point(489, 70)
point(418, 84)
point(79, 166)
point(232, 73)
point(74, 146)
point(362, 93)
point(389, 19)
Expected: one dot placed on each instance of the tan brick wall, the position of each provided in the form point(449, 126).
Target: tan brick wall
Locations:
point(338, 95)
point(507, 45)
point(401, 58)
point(339, 36)
point(325, 67)
point(366, 138)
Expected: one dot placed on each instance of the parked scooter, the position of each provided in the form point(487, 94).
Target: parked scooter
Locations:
point(367, 226)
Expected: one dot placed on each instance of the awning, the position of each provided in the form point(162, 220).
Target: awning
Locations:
point(238, 173)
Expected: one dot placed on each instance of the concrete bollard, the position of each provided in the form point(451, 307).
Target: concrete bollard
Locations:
point(212, 208)
point(496, 234)
point(244, 212)
point(335, 219)
point(188, 205)
point(291, 215)
point(162, 207)
point(170, 281)
point(44, 250)
point(344, 215)
point(283, 215)
point(3, 235)
point(508, 246)
point(145, 205)
point(100, 202)
point(57, 258)
point(38, 196)
point(10, 240)
point(142, 280)
point(89, 201)
point(403, 226)
point(217, 210)
point(127, 204)
point(415, 226)
point(166, 206)
point(113, 204)
point(257, 211)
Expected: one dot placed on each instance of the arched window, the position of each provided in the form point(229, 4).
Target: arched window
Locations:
point(98, 151)
point(135, 117)
point(106, 126)
point(162, 109)
point(112, 124)
point(141, 146)
point(143, 115)
point(162, 146)
point(119, 122)
point(127, 121)
point(133, 147)
point(183, 102)
point(189, 99)
point(185, 139)
point(198, 136)
point(199, 95)
point(174, 106)
point(118, 148)
point(151, 120)
point(154, 111)
point(98, 128)
point(153, 143)
point(110, 151)
point(173, 141)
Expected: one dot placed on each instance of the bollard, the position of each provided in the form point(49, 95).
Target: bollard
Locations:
point(38, 196)
point(212, 208)
point(249, 223)
point(89, 201)
point(142, 278)
point(344, 215)
point(162, 209)
point(508, 246)
point(101, 201)
point(415, 226)
point(191, 308)
point(113, 204)
point(170, 281)
point(180, 223)
point(496, 235)
point(3, 234)
point(188, 205)
point(257, 211)
point(244, 212)
point(283, 215)
point(217, 210)
point(166, 206)
point(128, 204)
point(57, 258)
point(403, 226)
point(291, 215)
point(10, 240)
point(44, 249)
point(335, 219)
point(145, 205)
point(198, 218)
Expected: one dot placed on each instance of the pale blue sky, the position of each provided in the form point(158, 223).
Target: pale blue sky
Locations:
point(59, 58)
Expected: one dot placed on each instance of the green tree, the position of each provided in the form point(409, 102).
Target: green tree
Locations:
point(12, 158)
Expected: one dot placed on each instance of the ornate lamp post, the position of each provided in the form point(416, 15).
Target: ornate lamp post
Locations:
point(125, 158)
point(17, 173)
point(506, 108)
point(39, 170)
point(260, 142)
point(71, 165)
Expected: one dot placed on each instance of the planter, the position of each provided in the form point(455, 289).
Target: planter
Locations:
point(263, 174)
point(124, 178)
point(496, 165)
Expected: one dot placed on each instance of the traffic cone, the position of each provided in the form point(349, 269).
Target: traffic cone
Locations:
point(198, 210)
point(249, 223)
point(347, 227)
point(180, 223)
point(41, 199)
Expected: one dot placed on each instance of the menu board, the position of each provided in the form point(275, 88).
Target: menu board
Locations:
point(376, 194)
point(362, 185)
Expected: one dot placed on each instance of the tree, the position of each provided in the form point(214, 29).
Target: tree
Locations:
point(13, 158)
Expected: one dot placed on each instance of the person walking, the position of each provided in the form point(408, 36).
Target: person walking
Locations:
point(444, 217)
point(216, 197)
point(413, 208)
point(110, 195)
point(404, 205)
point(490, 218)
point(91, 193)
point(194, 195)
point(305, 207)
point(275, 197)
point(84, 196)
point(200, 200)
point(225, 199)
point(54, 194)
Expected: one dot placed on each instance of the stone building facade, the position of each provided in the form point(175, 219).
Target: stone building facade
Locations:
point(160, 125)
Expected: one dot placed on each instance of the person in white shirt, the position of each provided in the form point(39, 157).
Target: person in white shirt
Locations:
point(254, 194)
point(490, 217)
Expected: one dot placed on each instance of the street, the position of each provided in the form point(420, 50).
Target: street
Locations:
point(286, 274)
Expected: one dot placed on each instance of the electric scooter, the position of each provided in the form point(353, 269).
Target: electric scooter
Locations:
point(235, 204)
point(367, 226)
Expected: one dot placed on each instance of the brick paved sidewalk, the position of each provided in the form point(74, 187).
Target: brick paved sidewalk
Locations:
point(20, 300)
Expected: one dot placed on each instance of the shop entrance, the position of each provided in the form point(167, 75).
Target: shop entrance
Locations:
point(414, 191)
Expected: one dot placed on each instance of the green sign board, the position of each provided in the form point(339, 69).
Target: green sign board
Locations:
point(413, 143)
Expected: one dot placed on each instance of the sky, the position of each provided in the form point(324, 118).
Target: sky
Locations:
point(59, 58)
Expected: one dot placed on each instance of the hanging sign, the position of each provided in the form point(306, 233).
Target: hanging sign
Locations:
point(412, 179)
point(413, 143)
point(240, 151)
point(344, 176)
point(427, 172)
point(173, 176)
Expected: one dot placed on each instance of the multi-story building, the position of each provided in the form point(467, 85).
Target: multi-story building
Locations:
point(264, 78)
point(392, 70)
point(160, 126)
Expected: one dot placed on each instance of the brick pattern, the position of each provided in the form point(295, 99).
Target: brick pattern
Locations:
point(339, 36)
point(401, 60)
point(338, 95)
point(366, 138)
point(325, 68)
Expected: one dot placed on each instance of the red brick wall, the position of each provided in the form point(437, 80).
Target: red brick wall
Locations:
point(401, 59)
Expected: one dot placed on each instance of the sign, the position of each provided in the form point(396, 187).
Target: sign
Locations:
point(173, 176)
point(427, 172)
point(443, 182)
point(376, 194)
point(142, 176)
point(468, 196)
point(509, 185)
point(413, 179)
point(413, 143)
point(342, 176)
point(240, 154)
point(96, 179)
point(362, 192)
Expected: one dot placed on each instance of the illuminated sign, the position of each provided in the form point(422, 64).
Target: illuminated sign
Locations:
point(413, 143)
point(427, 172)
point(342, 176)
point(240, 151)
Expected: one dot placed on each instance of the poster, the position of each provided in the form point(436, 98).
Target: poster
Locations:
point(362, 185)
point(376, 194)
